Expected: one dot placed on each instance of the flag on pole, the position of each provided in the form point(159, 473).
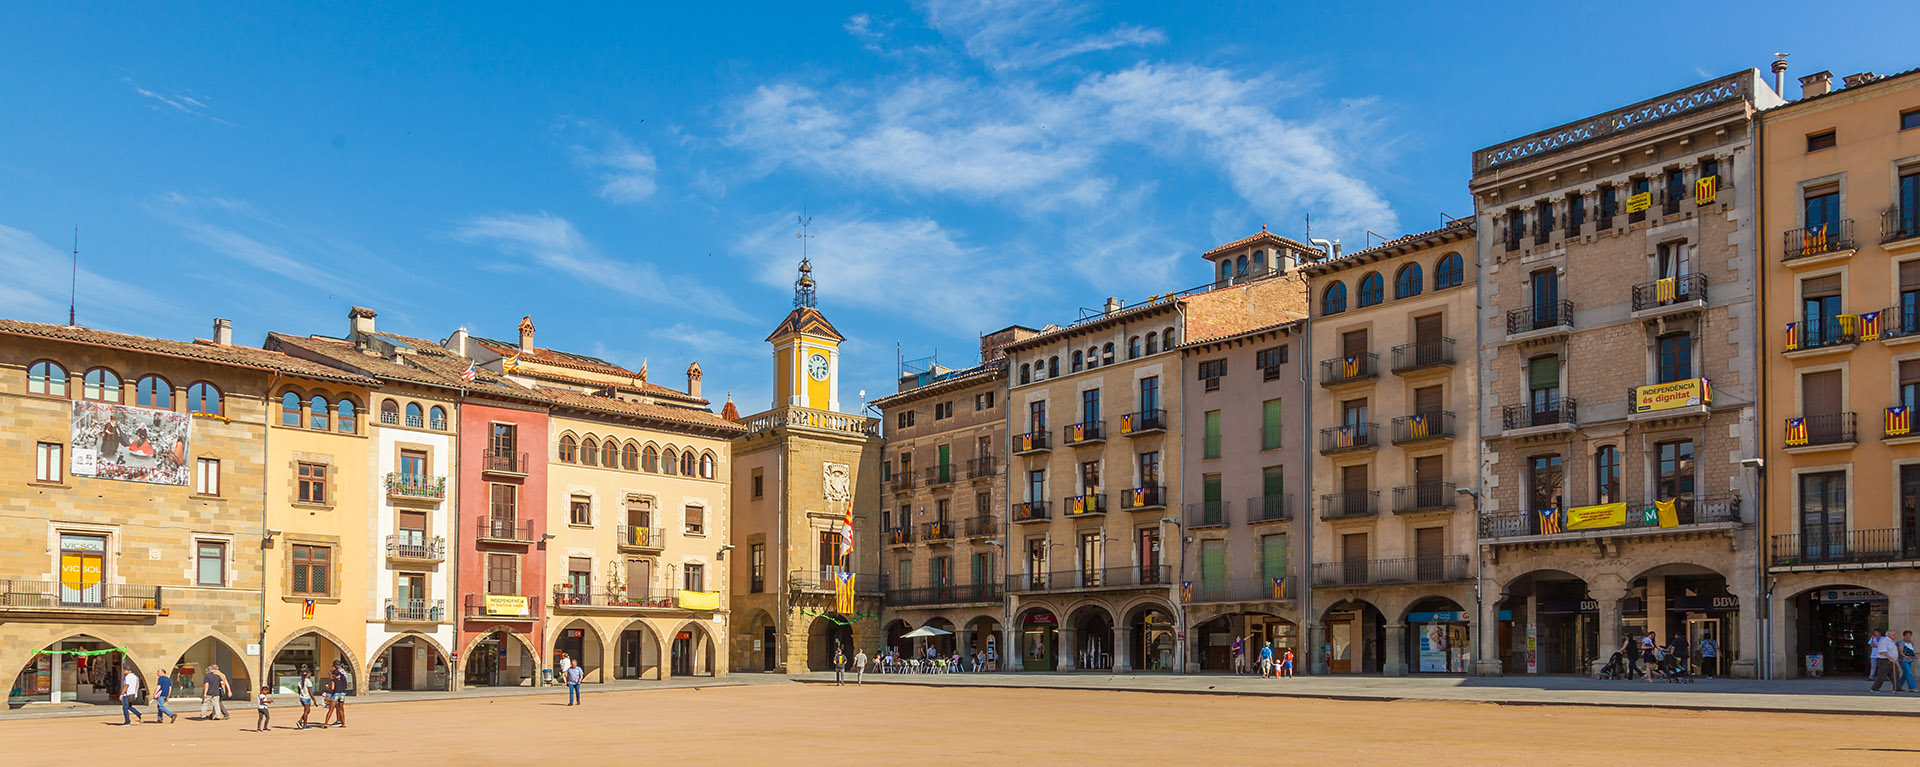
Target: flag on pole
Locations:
point(469, 374)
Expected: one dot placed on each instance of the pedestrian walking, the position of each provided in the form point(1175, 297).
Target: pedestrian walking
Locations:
point(260, 725)
point(303, 690)
point(1906, 659)
point(1679, 652)
point(129, 695)
point(1709, 657)
point(163, 689)
point(993, 658)
point(1286, 664)
point(1631, 648)
point(1239, 654)
point(859, 665)
point(1649, 656)
point(1885, 657)
point(1266, 660)
point(336, 695)
point(560, 666)
point(213, 694)
point(839, 666)
point(574, 675)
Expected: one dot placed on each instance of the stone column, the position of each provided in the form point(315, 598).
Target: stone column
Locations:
point(1657, 608)
point(1743, 661)
point(1316, 649)
point(1396, 654)
point(1532, 645)
point(1122, 649)
point(1487, 634)
point(1609, 618)
point(1012, 655)
point(1066, 644)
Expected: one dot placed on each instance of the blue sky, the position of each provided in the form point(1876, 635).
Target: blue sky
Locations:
point(630, 175)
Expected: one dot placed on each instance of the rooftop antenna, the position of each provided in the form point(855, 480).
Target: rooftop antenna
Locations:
point(1309, 227)
point(803, 287)
point(73, 278)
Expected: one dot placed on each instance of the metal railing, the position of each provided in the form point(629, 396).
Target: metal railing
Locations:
point(950, 594)
point(504, 462)
point(418, 610)
point(810, 580)
point(1900, 321)
point(809, 418)
point(1897, 224)
point(1669, 290)
point(645, 599)
point(1339, 439)
point(1424, 496)
point(1149, 497)
point(475, 606)
point(1364, 503)
point(1670, 201)
point(638, 537)
point(1274, 507)
point(1207, 514)
point(1245, 589)
point(1030, 511)
point(1819, 239)
point(981, 526)
point(99, 596)
point(1361, 572)
point(1543, 228)
point(1827, 429)
point(1353, 367)
point(1110, 577)
point(1422, 354)
point(504, 529)
point(902, 482)
point(1845, 547)
point(1822, 332)
point(1540, 316)
point(1419, 426)
point(1556, 411)
point(1143, 422)
point(1687, 511)
point(1085, 432)
point(983, 466)
point(938, 474)
point(1030, 442)
point(416, 486)
point(938, 530)
point(1083, 505)
point(405, 547)
point(897, 536)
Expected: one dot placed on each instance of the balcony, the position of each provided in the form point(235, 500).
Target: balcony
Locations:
point(1817, 336)
point(1031, 511)
point(1143, 576)
point(503, 529)
point(1896, 324)
point(981, 526)
point(1421, 427)
point(412, 549)
point(1897, 224)
point(1144, 498)
point(1896, 425)
point(1274, 507)
point(1084, 433)
point(501, 607)
point(1423, 497)
point(1349, 369)
point(1207, 514)
point(1143, 423)
point(938, 531)
point(950, 594)
point(1541, 320)
point(416, 487)
point(1245, 590)
point(984, 467)
point(1342, 439)
point(1420, 355)
point(1670, 201)
point(1086, 505)
point(1819, 243)
point(938, 475)
point(1811, 433)
point(1354, 505)
point(644, 599)
point(1852, 547)
point(101, 599)
point(897, 536)
point(1555, 415)
point(415, 610)
point(902, 482)
point(1639, 517)
point(825, 582)
point(1030, 443)
point(1372, 572)
point(505, 463)
point(638, 538)
point(1670, 295)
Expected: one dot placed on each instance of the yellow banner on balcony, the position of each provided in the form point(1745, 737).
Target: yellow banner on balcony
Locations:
point(1667, 396)
point(1705, 190)
point(1814, 240)
point(1639, 202)
point(1025, 442)
point(1598, 517)
point(699, 600)
point(1667, 513)
point(1077, 433)
point(1663, 289)
point(498, 604)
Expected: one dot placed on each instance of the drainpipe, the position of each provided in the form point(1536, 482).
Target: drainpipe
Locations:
point(1308, 623)
point(454, 678)
point(1763, 667)
point(266, 436)
point(786, 560)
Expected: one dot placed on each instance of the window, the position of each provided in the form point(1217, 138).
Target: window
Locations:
point(589, 452)
point(1372, 289)
point(1675, 470)
point(503, 574)
point(289, 410)
point(758, 483)
point(1674, 259)
point(47, 378)
point(1089, 406)
point(1820, 311)
point(1106, 354)
point(206, 476)
point(757, 568)
point(437, 418)
point(1037, 485)
point(1269, 362)
point(1447, 273)
point(1334, 299)
point(1026, 373)
point(344, 420)
point(103, 385)
point(389, 412)
point(1077, 361)
point(313, 483)
point(204, 398)
point(609, 453)
point(629, 457)
point(1093, 357)
point(1516, 228)
point(579, 576)
point(905, 418)
point(415, 417)
point(210, 563)
point(568, 448)
point(1270, 412)
point(317, 413)
point(1241, 266)
point(1036, 419)
point(1090, 478)
point(696, 577)
point(1609, 205)
point(706, 466)
point(982, 504)
point(1153, 343)
point(503, 508)
point(650, 459)
point(1543, 386)
point(312, 571)
point(1675, 358)
point(1676, 191)
point(1543, 482)
point(1710, 168)
point(1606, 475)
point(1211, 371)
point(1212, 449)
point(1910, 119)
point(1053, 366)
point(1822, 140)
point(696, 520)
point(1408, 281)
point(1226, 269)
point(1149, 395)
point(1638, 186)
point(1542, 222)
point(1823, 515)
point(580, 510)
point(1576, 213)
point(1133, 347)
point(48, 463)
point(671, 464)
point(687, 464)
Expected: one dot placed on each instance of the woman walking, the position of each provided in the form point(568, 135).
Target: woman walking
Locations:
point(304, 691)
point(213, 693)
point(261, 725)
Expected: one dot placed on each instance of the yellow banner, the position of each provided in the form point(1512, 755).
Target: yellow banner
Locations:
point(1667, 512)
point(1596, 517)
point(699, 600)
point(1639, 202)
point(79, 571)
point(1705, 189)
point(1667, 396)
point(507, 605)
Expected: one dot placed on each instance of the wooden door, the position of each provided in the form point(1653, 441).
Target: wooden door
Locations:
point(639, 578)
point(1353, 343)
point(1353, 557)
point(1430, 548)
point(1340, 643)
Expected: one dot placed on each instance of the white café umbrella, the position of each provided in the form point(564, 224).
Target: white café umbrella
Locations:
point(925, 631)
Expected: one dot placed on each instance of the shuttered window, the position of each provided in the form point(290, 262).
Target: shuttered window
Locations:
point(1543, 373)
point(1820, 393)
point(1822, 287)
point(1426, 400)
point(1910, 275)
point(1270, 424)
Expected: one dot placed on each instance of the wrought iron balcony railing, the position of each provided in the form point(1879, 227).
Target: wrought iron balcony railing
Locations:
point(1084, 433)
point(1030, 511)
point(416, 548)
point(949, 594)
point(1030, 442)
point(416, 610)
point(1207, 514)
point(416, 486)
point(1899, 224)
point(21, 595)
point(1562, 410)
point(1819, 239)
point(1822, 332)
point(638, 599)
point(1110, 577)
point(1143, 422)
point(1353, 367)
point(939, 474)
point(1540, 316)
point(1667, 291)
point(981, 527)
point(508, 607)
point(937, 530)
point(1340, 439)
point(1845, 547)
point(1244, 589)
point(642, 538)
point(1362, 503)
point(1432, 352)
point(1423, 426)
point(1424, 496)
point(1362, 572)
point(1639, 515)
point(983, 466)
point(897, 536)
point(503, 462)
point(1143, 498)
point(504, 529)
point(1826, 429)
point(1272, 507)
point(1084, 505)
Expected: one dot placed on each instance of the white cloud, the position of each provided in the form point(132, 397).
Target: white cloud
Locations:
point(1024, 34)
point(38, 276)
point(552, 243)
point(626, 171)
point(178, 102)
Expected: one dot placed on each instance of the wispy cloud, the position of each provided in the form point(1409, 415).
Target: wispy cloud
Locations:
point(38, 276)
point(626, 171)
point(551, 242)
point(178, 102)
point(1025, 34)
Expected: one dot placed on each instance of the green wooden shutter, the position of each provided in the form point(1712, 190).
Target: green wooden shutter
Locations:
point(1270, 425)
point(1273, 481)
point(1273, 556)
point(1210, 488)
point(1213, 565)
point(1213, 434)
point(1544, 373)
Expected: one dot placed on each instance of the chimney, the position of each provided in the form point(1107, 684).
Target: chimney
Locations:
point(1861, 78)
point(526, 333)
point(1336, 248)
point(359, 321)
point(1113, 304)
point(1816, 84)
point(1780, 74)
point(223, 331)
point(693, 379)
point(457, 343)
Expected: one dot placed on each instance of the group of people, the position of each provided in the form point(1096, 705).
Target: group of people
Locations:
point(1270, 665)
point(1891, 660)
point(216, 688)
point(1646, 658)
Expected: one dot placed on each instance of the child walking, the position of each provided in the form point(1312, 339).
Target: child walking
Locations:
point(1286, 664)
point(264, 702)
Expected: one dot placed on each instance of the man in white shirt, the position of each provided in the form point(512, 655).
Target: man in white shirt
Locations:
point(129, 692)
point(1885, 656)
point(859, 665)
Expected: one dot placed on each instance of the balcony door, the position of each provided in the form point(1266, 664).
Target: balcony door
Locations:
point(1819, 310)
point(1090, 556)
point(1149, 555)
point(1213, 569)
point(1822, 209)
point(83, 569)
point(1543, 390)
point(1429, 553)
point(1353, 558)
point(411, 593)
point(1427, 478)
point(1909, 515)
point(412, 536)
point(503, 574)
point(1821, 403)
point(639, 578)
point(1823, 516)
point(1353, 490)
point(1546, 298)
point(830, 555)
point(1353, 343)
point(1428, 403)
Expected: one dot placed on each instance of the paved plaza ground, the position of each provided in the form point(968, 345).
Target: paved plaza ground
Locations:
point(767, 720)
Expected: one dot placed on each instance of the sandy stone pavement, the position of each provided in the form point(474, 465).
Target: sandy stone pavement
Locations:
point(795, 724)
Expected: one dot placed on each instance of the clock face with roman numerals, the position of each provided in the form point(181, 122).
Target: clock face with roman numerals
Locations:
point(817, 367)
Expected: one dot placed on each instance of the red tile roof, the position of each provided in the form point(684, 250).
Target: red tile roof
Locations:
point(1261, 236)
point(203, 351)
point(662, 414)
point(582, 362)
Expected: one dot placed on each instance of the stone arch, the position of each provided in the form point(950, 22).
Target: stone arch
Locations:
point(527, 644)
point(16, 660)
point(759, 624)
point(356, 668)
point(1133, 607)
point(704, 646)
point(632, 662)
point(240, 675)
point(440, 651)
point(590, 655)
point(1090, 625)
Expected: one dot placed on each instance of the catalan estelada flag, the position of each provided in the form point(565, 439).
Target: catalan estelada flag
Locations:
point(1793, 336)
point(843, 593)
point(1026, 441)
point(1870, 326)
point(1077, 432)
point(1550, 522)
point(1814, 240)
point(1350, 367)
point(1663, 289)
point(1416, 426)
point(1343, 437)
point(1899, 421)
point(1705, 189)
point(1137, 497)
point(1279, 588)
point(1796, 431)
point(1126, 424)
point(1186, 591)
point(1849, 324)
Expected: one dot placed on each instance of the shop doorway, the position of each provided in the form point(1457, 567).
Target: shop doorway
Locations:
point(78, 669)
point(581, 644)
point(1438, 637)
point(1356, 637)
point(410, 663)
point(1039, 637)
point(190, 670)
point(501, 659)
point(1561, 633)
point(768, 644)
point(1093, 636)
point(693, 651)
point(314, 652)
point(1153, 646)
point(828, 633)
point(638, 653)
point(1833, 627)
point(1683, 602)
point(981, 641)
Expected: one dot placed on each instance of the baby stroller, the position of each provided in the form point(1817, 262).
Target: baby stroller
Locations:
point(1675, 669)
point(1616, 667)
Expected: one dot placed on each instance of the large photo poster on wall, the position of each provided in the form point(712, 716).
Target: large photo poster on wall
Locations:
point(130, 443)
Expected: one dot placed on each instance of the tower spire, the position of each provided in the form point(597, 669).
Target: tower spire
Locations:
point(803, 285)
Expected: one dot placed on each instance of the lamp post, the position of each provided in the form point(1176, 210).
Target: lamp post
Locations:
point(1479, 609)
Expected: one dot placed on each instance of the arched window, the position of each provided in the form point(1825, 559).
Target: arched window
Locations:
point(1053, 366)
point(1606, 475)
point(1106, 354)
point(1242, 268)
point(1226, 269)
point(1447, 273)
point(1259, 262)
point(290, 410)
point(153, 392)
point(630, 457)
point(1093, 357)
point(1153, 342)
point(609, 454)
point(589, 452)
point(1334, 299)
point(102, 385)
point(344, 420)
point(437, 418)
point(1166, 339)
point(1133, 347)
point(389, 412)
point(673, 458)
point(1026, 373)
point(1078, 361)
point(687, 464)
point(1407, 283)
point(47, 378)
point(414, 418)
point(650, 459)
point(568, 448)
point(204, 398)
point(706, 466)
point(1373, 289)
point(317, 413)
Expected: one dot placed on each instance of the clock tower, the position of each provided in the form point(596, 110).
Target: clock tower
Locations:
point(806, 352)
